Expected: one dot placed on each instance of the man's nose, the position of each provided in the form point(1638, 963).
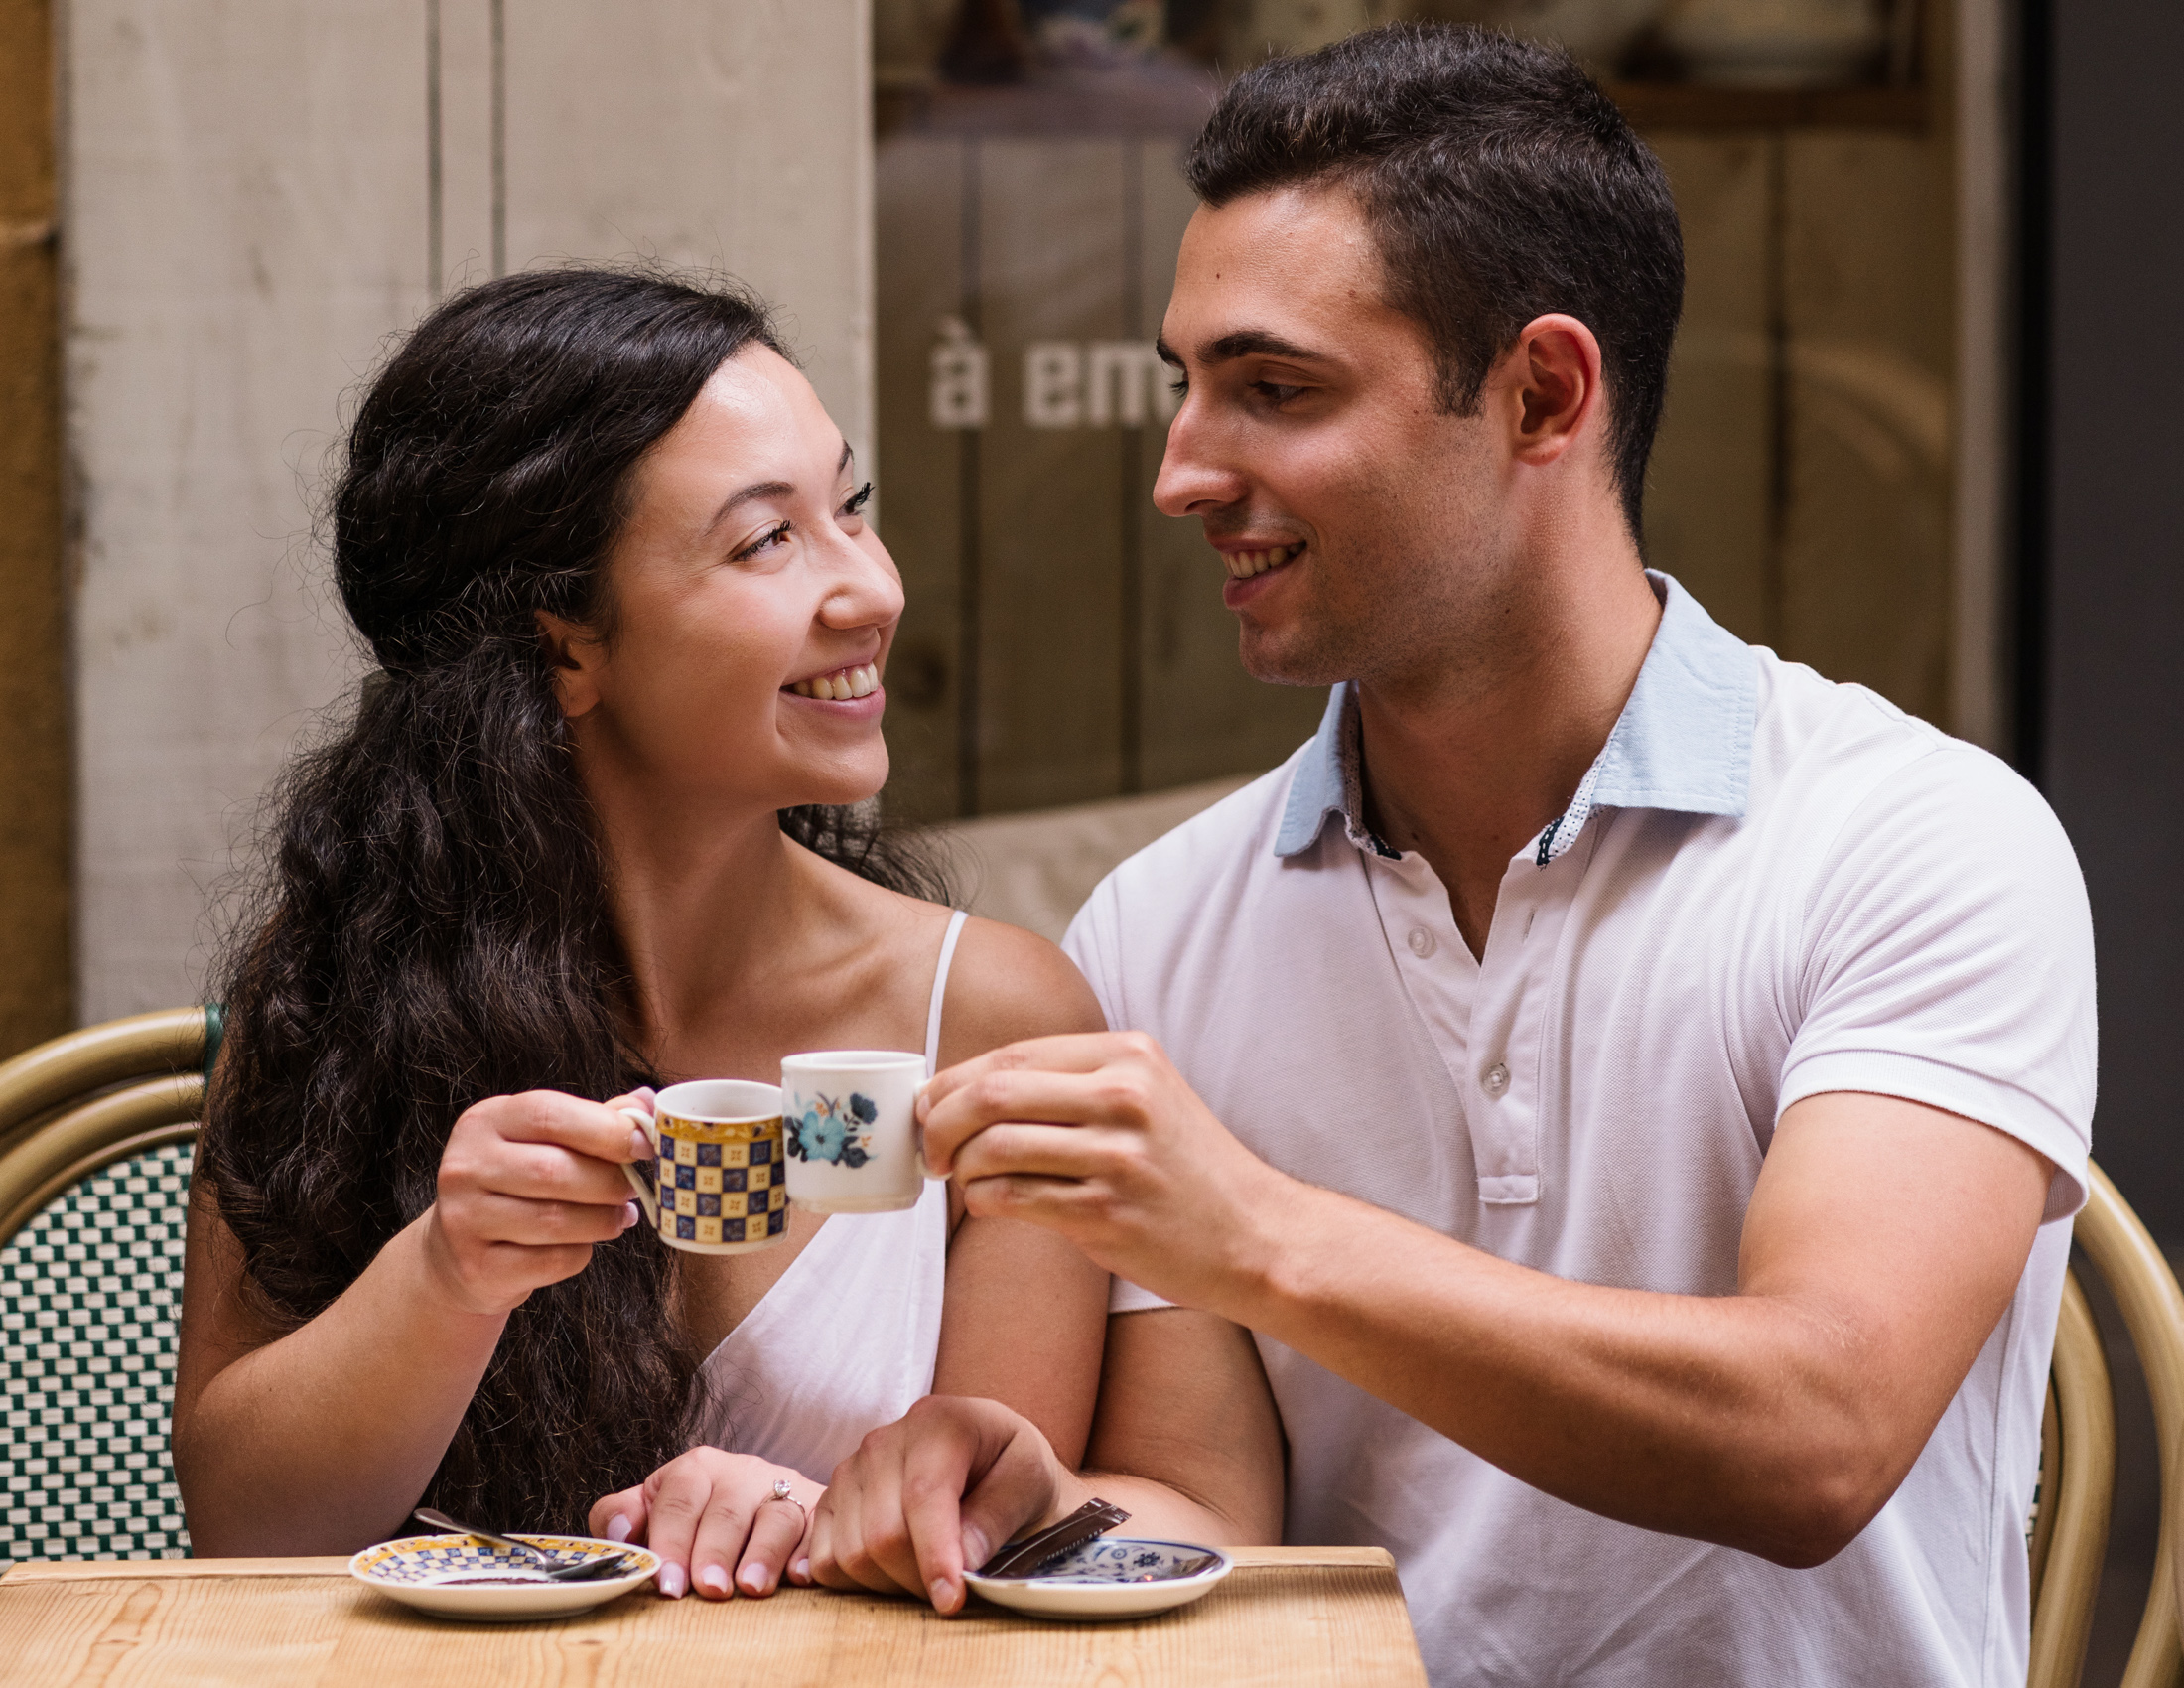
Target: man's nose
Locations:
point(1194, 478)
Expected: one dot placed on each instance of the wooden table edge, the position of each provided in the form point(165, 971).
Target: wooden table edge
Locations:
point(81, 1570)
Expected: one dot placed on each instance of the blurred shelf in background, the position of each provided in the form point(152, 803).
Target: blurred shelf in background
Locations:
point(1697, 107)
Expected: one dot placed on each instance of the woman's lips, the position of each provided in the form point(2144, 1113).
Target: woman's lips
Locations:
point(841, 687)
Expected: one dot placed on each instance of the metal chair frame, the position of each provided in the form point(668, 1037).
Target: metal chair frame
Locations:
point(81, 1102)
point(2078, 1451)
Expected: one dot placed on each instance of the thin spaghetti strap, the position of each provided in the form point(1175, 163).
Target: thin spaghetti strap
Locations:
point(940, 991)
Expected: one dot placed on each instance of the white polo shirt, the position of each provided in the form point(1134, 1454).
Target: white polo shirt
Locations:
point(1768, 886)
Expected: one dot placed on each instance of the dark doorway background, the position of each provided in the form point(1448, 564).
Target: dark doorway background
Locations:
point(2100, 648)
point(2103, 658)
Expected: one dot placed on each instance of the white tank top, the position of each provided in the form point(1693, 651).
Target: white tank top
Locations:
point(846, 1339)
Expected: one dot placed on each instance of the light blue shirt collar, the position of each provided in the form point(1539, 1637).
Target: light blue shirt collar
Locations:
point(1683, 741)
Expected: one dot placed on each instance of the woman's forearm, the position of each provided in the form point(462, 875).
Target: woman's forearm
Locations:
point(322, 1441)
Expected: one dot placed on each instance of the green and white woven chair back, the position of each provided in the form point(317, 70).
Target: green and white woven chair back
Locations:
point(90, 1298)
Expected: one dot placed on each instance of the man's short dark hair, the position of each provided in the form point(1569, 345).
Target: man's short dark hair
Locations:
point(1500, 184)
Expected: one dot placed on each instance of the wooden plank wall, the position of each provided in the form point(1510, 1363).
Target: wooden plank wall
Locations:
point(34, 750)
point(1070, 642)
point(1802, 484)
point(1064, 641)
point(258, 197)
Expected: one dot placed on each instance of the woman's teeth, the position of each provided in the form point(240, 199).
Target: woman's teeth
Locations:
point(841, 685)
point(1242, 565)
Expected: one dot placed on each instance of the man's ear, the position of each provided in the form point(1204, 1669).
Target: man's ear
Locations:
point(577, 657)
point(1554, 372)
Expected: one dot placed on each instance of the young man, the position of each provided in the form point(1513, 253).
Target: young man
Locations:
point(1632, 1089)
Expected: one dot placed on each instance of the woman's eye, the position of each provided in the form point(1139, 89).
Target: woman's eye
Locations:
point(766, 541)
point(855, 504)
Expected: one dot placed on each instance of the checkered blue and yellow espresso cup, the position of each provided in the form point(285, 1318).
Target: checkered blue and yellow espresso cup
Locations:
point(715, 1183)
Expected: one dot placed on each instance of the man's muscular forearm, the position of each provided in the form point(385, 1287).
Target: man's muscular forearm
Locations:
point(1777, 1420)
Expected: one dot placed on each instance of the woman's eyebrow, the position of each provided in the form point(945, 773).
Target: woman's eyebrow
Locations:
point(769, 490)
point(757, 489)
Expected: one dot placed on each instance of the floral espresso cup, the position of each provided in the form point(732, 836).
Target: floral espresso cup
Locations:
point(849, 1121)
point(714, 1184)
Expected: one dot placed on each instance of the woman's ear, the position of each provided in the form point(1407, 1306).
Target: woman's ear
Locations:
point(577, 657)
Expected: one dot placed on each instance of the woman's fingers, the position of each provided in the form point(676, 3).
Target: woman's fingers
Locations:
point(619, 1517)
point(724, 1526)
point(491, 1218)
point(776, 1535)
point(544, 1172)
point(679, 1493)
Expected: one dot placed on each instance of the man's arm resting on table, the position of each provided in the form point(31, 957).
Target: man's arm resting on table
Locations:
point(1881, 1245)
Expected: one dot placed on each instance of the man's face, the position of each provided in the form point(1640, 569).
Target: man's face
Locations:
point(1361, 525)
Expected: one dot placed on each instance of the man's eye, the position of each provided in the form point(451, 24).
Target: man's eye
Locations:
point(766, 541)
point(1275, 393)
point(1180, 386)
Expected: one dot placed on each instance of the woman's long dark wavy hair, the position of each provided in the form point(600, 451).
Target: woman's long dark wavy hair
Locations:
point(433, 924)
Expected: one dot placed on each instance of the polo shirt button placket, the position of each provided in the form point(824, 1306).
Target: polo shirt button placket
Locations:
point(1497, 1081)
point(1421, 942)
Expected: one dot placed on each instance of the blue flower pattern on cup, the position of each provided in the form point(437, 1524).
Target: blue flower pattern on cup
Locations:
point(838, 1132)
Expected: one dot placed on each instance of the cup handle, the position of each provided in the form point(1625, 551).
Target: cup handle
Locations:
point(918, 1129)
point(646, 1199)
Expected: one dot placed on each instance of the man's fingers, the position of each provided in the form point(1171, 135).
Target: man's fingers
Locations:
point(1014, 1494)
point(817, 1553)
point(1064, 1099)
point(1071, 1052)
point(936, 1469)
point(1020, 1150)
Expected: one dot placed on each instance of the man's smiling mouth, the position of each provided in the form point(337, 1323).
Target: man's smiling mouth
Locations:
point(1242, 565)
point(840, 686)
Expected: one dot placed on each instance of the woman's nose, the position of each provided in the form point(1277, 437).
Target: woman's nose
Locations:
point(866, 590)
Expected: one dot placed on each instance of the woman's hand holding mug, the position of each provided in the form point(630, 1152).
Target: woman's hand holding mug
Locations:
point(528, 1186)
point(718, 1520)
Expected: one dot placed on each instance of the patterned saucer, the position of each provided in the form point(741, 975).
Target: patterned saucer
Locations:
point(463, 1577)
point(1111, 1577)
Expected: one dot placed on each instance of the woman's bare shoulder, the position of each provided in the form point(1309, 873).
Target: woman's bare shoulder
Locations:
point(1009, 984)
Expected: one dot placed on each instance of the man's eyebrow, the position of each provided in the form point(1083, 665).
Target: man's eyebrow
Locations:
point(771, 490)
point(1254, 343)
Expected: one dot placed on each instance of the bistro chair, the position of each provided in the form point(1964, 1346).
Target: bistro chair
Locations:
point(95, 1139)
point(2070, 1527)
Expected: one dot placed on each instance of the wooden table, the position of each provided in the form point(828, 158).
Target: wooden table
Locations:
point(1294, 1616)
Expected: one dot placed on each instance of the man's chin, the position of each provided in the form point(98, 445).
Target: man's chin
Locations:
point(1277, 661)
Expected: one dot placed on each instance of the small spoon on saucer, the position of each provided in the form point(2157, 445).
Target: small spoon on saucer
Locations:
point(557, 1570)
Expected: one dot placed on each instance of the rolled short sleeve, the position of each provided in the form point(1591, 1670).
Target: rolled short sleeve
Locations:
point(1091, 943)
point(1947, 958)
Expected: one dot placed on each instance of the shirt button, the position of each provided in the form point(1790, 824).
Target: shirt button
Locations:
point(1421, 942)
point(1497, 1079)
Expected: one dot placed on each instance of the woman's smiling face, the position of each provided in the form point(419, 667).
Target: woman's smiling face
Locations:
point(752, 609)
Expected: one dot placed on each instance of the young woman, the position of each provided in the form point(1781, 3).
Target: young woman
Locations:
point(596, 827)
